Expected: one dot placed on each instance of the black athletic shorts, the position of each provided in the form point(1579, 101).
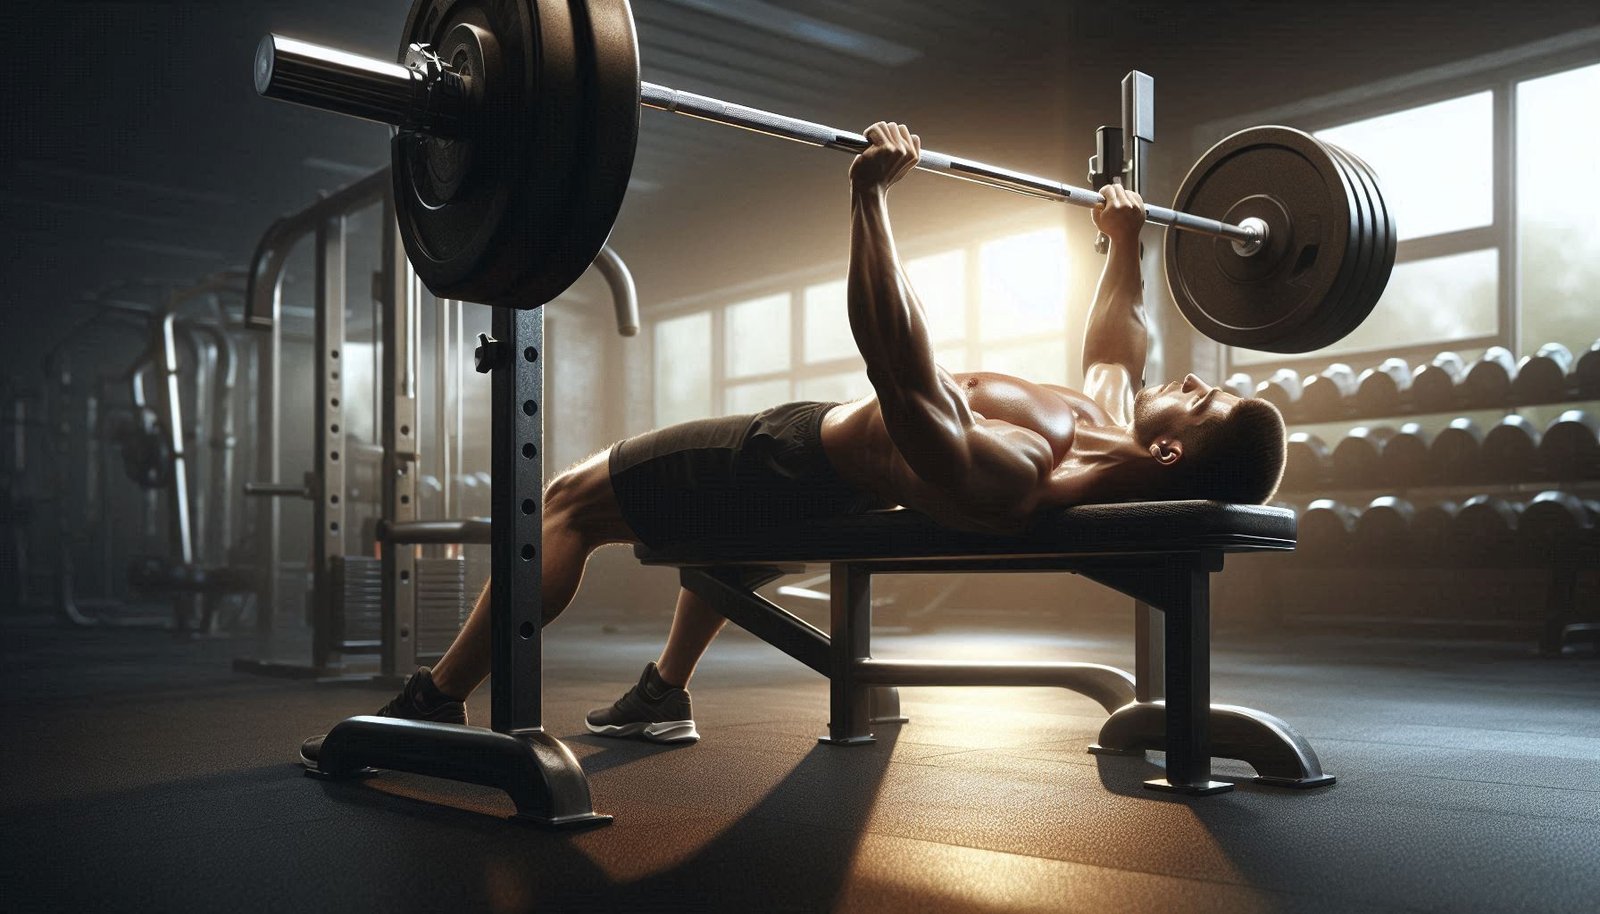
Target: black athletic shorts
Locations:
point(737, 474)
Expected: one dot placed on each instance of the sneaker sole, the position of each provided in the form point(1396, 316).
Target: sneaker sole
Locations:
point(667, 731)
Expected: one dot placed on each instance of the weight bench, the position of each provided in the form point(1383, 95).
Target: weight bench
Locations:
point(1160, 553)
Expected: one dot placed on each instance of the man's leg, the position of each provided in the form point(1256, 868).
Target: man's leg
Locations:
point(580, 516)
point(658, 708)
point(694, 625)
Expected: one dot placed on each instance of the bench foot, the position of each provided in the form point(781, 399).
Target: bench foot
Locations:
point(1097, 749)
point(1280, 756)
point(1203, 788)
point(848, 740)
point(535, 769)
point(883, 706)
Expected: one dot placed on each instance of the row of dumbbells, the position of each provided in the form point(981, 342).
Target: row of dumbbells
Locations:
point(1485, 528)
point(1447, 383)
point(1463, 453)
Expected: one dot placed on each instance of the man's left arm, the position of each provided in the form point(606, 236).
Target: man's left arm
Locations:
point(1117, 338)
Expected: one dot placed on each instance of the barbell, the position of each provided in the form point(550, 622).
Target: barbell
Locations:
point(518, 120)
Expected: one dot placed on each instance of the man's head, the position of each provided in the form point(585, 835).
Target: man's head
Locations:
point(1208, 443)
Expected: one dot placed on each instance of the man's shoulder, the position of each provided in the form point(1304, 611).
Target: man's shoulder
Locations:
point(1111, 387)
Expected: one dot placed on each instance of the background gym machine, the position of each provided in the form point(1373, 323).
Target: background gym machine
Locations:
point(397, 485)
point(168, 416)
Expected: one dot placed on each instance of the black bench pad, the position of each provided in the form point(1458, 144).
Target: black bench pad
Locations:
point(1131, 529)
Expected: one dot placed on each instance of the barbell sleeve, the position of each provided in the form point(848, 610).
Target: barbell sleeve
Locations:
point(329, 79)
point(405, 96)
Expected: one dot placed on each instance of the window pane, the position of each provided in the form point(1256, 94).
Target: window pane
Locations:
point(683, 372)
point(1442, 299)
point(941, 284)
point(1042, 363)
point(757, 336)
point(827, 323)
point(1558, 182)
point(1428, 192)
point(1024, 284)
point(954, 358)
point(753, 398)
point(842, 387)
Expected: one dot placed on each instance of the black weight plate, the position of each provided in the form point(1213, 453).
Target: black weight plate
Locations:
point(468, 207)
point(611, 63)
point(1365, 248)
point(1276, 300)
point(1384, 245)
point(1367, 251)
point(515, 212)
point(1389, 243)
point(1360, 254)
point(1366, 296)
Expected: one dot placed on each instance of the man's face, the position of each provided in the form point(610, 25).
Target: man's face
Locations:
point(1171, 409)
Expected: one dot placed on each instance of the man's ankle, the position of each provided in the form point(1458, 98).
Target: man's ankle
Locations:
point(437, 692)
point(663, 681)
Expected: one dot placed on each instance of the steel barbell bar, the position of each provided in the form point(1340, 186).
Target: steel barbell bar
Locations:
point(425, 94)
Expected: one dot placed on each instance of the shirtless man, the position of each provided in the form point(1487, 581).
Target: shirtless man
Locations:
point(978, 451)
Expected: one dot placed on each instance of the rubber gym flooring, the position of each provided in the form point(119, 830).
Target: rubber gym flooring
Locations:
point(144, 775)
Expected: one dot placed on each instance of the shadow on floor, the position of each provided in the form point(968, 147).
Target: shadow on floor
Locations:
point(258, 838)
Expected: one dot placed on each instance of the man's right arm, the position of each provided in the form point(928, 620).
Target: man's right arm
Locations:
point(926, 413)
point(1117, 337)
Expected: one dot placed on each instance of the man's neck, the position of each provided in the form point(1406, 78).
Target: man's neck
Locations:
point(1105, 464)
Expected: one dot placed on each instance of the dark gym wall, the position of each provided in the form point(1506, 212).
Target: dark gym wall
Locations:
point(135, 146)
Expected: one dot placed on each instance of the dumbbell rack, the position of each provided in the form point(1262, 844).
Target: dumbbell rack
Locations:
point(1565, 559)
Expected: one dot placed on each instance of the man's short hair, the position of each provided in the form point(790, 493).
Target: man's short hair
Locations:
point(1238, 458)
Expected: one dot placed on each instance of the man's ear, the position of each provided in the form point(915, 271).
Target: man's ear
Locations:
point(1167, 451)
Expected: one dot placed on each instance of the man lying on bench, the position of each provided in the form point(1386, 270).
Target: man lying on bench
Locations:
point(974, 451)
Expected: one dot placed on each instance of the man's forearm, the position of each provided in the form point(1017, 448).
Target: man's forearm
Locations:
point(1117, 332)
point(885, 316)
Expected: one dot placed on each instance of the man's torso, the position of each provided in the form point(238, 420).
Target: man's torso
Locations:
point(858, 444)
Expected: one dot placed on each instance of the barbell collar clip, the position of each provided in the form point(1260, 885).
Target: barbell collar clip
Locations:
point(1250, 246)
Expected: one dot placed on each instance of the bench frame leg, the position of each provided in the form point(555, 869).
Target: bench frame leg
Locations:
point(1187, 665)
point(850, 614)
point(1174, 713)
point(1166, 707)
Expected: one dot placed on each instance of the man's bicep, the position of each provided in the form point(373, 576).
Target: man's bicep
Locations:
point(1111, 387)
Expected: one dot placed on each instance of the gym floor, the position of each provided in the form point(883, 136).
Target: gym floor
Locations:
point(144, 774)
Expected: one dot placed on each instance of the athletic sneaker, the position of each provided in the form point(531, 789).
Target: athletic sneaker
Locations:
point(419, 699)
point(651, 710)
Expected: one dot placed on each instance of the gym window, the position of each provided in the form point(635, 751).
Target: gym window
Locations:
point(1488, 173)
point(999, 305)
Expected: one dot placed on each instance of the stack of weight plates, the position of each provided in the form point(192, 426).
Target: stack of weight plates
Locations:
point(1329, 251)
point(441, 603)
point(358, 611)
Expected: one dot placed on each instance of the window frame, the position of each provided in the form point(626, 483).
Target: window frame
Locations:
point(1499, 73)
point(970, 242)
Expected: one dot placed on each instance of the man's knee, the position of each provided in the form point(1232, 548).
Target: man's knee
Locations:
point(582, 498)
